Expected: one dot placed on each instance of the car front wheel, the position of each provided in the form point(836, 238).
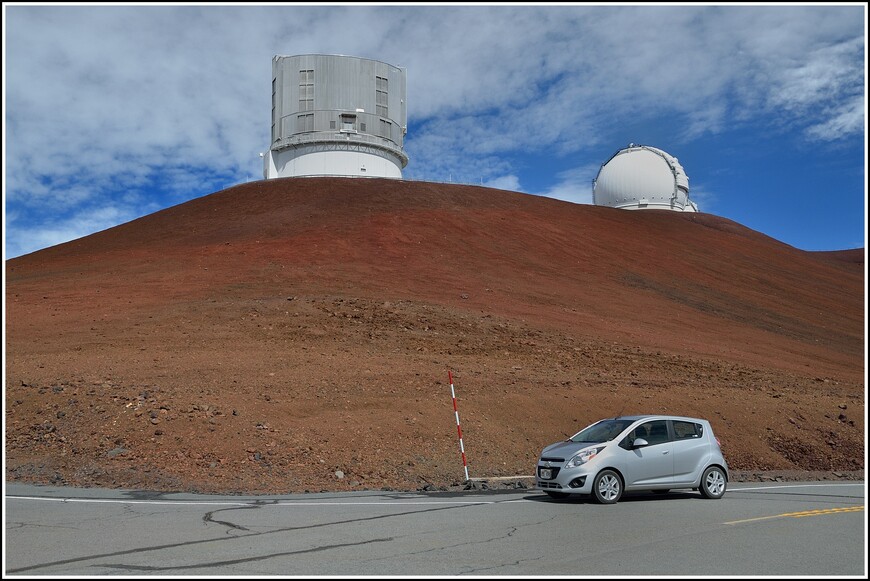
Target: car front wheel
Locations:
point(607, 487)
point(713, 483)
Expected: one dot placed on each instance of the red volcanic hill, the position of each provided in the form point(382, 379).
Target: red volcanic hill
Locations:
point(296, 334)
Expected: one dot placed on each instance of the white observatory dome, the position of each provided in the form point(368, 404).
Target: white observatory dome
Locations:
point(642, 177)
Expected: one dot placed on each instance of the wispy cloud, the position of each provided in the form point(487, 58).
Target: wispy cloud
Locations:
point(574, 185)
point(26, 233)
point(845, 118)
point(163, 103)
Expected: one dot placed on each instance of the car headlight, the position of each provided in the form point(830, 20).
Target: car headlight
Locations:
point(583, 456)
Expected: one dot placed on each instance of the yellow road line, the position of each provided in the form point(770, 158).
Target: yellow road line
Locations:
point(801, 514)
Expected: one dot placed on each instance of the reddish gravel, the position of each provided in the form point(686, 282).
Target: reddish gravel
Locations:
point(296, 334)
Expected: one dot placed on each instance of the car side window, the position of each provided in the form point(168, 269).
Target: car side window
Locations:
point(687, 430)
point(657, 432)
point(639, 432)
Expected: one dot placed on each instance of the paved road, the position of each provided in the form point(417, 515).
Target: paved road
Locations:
point(776, 529)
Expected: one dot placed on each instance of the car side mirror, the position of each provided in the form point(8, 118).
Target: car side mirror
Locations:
point(639, 443)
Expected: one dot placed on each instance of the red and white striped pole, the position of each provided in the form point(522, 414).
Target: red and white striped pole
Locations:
point(458, 427)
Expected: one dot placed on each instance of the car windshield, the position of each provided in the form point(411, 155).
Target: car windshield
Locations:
point(602, 431)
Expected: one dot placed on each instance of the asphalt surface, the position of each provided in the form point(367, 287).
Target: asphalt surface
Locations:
point(776, 529)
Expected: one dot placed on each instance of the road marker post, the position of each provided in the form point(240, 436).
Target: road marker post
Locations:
point(458, 427)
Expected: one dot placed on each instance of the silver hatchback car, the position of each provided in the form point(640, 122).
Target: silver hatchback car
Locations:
point(629, 453)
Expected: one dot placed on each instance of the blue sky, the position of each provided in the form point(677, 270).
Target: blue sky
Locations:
point(114, 112)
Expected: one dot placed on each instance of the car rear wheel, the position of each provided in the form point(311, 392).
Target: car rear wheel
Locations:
point(607, 487)
point(713, 483)
point(553, 494)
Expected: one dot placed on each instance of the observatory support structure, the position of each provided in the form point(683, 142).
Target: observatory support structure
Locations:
point(335, 115)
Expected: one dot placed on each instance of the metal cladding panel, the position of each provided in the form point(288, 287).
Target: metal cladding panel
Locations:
point(679, 172)
point(635, 174)
point(340, 84)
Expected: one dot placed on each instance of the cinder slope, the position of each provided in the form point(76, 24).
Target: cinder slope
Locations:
point(264, 337)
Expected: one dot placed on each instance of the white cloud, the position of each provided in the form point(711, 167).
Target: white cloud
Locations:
point(704, 199)
point(174, 100)
point(510, 183)
point(574, 185)
point(24, 236)
point(847, 118)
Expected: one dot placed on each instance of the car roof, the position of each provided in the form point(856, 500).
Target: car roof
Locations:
point(656, 416)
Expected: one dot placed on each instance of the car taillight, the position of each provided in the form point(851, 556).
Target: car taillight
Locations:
point(718, 442)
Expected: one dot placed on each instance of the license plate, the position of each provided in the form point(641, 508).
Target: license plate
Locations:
point(546, 473)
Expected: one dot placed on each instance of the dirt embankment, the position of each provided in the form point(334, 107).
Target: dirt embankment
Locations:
point(296, 334)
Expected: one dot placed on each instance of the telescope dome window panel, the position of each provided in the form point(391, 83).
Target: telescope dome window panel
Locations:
point(381, 101)
point(348, 122)
point(332, 116)
point(306, 90)
point(274, 98)
point(305, 123)
point(386, 128)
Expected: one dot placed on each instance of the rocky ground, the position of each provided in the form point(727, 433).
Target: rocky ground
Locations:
point(298, 335)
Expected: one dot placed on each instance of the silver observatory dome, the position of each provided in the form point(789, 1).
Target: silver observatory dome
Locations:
point(641, 177)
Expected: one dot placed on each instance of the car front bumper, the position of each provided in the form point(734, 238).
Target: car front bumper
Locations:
point(566, 480)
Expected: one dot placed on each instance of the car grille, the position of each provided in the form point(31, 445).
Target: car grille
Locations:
point(546, 459)
point(553, 475)
point(545, 484)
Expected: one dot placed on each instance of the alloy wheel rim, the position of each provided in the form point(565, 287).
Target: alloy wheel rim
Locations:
point(715, 482)
point(609, 487)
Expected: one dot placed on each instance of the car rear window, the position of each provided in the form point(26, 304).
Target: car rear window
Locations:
point(686, 430)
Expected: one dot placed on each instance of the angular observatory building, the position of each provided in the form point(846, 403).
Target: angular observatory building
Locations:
point(640, 177)
point(335, 115)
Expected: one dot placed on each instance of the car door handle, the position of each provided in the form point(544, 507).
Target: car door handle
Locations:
point(666, 452)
